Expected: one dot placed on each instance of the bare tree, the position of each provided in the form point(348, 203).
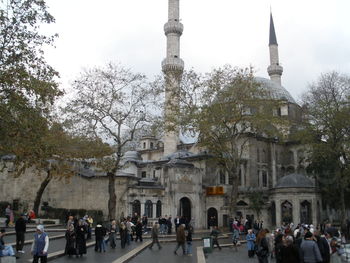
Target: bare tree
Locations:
point(114, 104)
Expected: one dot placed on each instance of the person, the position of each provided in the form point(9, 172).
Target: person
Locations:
point(90, 223)
point(336, 251)
point(170, 225)
point(8, 213)
point(176, 223)
point(144, 223)
point(236, 230)
point(309, 250)
point(251, 243)
point(113, 229)
point(20, 228)
point(189, 240)
point(214, 234)
point(123, 234)
point(70, 221)
point(180, 239)
point(40, 245)
point(100, 233)
point(31, 216)
point(278, 246)
point(323, 246)
point(70, 241)
point(80, 240)
point(290, 252)
point(129, 225)
point(211, 223)
point(138, 230)
point(155, 234)
point(5, 250)
point(262, 250)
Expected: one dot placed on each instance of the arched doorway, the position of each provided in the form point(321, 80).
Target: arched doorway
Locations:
point(136, 207)
point(185, 208)
point(273, 213)
point(212, 217)
point(305, 212)
point(287, 212)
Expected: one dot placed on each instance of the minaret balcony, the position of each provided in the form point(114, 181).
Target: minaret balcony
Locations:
point(174, 27)
point(275, 70)
point(173, 64)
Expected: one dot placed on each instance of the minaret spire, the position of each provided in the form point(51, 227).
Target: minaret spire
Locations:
point(172, 67)
point(274, 70)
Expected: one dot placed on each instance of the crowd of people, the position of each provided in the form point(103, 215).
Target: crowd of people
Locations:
point(295, 244)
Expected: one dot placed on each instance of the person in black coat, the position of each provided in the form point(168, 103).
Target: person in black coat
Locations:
point(70, 241)
point(263, 247)
point(100, 233)
point(290, 252)
point(20, 228)
point(138, 230)
point(81, 231)
point(323, 246)
point(170, 225)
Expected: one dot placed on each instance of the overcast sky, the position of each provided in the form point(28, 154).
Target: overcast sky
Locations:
point(313, 36)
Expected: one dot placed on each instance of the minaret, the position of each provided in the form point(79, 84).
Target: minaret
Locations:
point(274, 70)
point(172, 67)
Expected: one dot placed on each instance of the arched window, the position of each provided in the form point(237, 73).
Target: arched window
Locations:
point(258, 155)
point(222, 177)
point(264, 157)
point(136, 207)
point(159, 209)
point(264, 178)
point(149, 209)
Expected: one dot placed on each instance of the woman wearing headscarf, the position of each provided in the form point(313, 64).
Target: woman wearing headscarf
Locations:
point(251, 243)
point(70, 241)
point(40, 245)
point(81, 240)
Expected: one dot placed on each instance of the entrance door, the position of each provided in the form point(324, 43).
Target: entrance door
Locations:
point(212, 217)
point(185, 208)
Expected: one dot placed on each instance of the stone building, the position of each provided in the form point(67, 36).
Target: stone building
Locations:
point(172, 176)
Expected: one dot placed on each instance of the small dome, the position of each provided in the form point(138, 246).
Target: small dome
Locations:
point(276, 91)
point(131, 155)
point(295, 181)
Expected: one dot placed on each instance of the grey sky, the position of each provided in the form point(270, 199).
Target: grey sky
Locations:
point(313, 36)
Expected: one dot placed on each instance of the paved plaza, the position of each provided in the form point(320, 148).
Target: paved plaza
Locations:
point(137, 252)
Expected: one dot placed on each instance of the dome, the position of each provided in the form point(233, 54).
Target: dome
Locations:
point(131, 155)
point(295, 181)
point(276, 91)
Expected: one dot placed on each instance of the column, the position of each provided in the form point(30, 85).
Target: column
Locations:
point(278, 213)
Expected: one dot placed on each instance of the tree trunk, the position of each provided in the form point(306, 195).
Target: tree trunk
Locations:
point(342, 207)
point(40, 192)
point(234, 194)
point(112, 201)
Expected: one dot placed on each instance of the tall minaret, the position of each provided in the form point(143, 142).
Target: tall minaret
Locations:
point(172, 67)
point(274, 70)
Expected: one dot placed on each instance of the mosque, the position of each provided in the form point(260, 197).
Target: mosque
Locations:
point(172, 176)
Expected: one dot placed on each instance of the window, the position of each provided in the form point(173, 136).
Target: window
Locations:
point(159, 209)
point(144, 145)
point(143, 174)
point(154, 173)
point(151, 145)
point(136, 207)
point(264, 178)
point(258, 155)
point(240, 177)
point(149, 209)
point(222, 177)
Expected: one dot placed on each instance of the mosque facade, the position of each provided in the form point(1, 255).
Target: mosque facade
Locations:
point(172, 176)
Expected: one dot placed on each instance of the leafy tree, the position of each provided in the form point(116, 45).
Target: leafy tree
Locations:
point(327, 131)
point(225, 108)
point(113, 104)
point(256, 201)
point(27, 83)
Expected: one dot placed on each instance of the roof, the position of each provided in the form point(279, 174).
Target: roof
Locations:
point(273, 39)
point(275, 90)
point(295, 180)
